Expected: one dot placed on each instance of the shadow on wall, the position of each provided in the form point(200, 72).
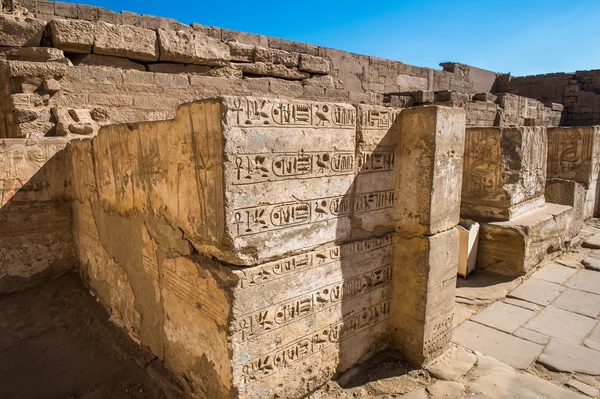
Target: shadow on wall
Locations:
point(35, 212)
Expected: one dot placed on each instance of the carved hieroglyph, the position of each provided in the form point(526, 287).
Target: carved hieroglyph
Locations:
point(504, 172)
point(574, 153)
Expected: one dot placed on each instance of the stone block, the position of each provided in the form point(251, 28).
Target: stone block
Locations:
point(275, 56)
point(514, 247)
point(571, 193)
point(592, 200)
point(35, 54)
point(125, 41)
point(20, 69)
point(241, 52)
point(376, 181)
point(167, 67)
point(504, 172)
point(107, 61)
point(247, 195)
point(431, 145)
point(65, 10)
point(275, 70)
point(424, 281)
point(192, 48)
point(312, 64)
point(73, 36)
point(20, 31)
point(574, 153)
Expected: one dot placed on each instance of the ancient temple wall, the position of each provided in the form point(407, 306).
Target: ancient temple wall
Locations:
point(35, 212)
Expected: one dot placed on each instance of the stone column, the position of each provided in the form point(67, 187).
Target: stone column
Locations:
point(430, 154)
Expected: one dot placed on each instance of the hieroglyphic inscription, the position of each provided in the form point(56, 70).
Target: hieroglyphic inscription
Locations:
point(262, 112)
point(313, 343)
point(291, 310)
point(254, 220)
point(377, 161)
point(482, 163)
point(254, 168)
point(573, 152)
point(377, 118)
point(275, 270)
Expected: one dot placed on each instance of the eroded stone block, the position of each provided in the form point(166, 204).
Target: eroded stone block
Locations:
point(571, 193)
point(72, 35)
point(20, 31)
point(574, 153)
point(192, 48)
point(125, 41)
point(431, 145)
point(513, 247)
point(424, 280)
point(504, 172)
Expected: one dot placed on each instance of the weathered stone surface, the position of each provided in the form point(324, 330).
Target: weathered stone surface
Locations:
point(592, 242)
point(430, 154)
point(537, 291)
point(574, 153)
point(513, 247)
point(571, 193)
point(35, 222)
point(554, 273)
point(445, 390)
point(73, 36)
point(107, 61)
point(19, 69)
point(504, 172)
point(585, 280)
point(522, 304)
point(125, 41)
point(168, 67)
point(564, 356)
point(484, 287)
point(376, 182)
point(504, 317)
point(275, 56)
point(422, 318)
point(532, 336)
point(36, 54)
point(312, 64)
point(561, 324)
point(241, 52)
point(579, 302)
point(453, 364)
point(468, 231)
point(192, 48)
point(583, 388)
point(275, 70)
point(504, 347)
point(20, 31)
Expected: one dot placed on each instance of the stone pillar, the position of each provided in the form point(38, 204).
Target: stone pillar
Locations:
point(574, 155)
point(430, 154)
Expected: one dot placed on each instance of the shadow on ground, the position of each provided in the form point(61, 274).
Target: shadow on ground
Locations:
point(57, 342)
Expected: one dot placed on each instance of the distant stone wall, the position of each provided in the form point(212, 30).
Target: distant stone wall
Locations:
point(579, 92)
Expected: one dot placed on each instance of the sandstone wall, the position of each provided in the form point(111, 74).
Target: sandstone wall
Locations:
point(578, 92)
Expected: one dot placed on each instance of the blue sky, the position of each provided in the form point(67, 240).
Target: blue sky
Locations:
point(521, 37)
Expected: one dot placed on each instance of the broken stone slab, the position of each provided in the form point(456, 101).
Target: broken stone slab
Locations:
point(422, 319)
point(571, 193)
point(275, 56)
point(561, 324)
point(452, 364)
point(511, 350)
point(504, 172)
point(377, 165)
point(583, 303)
point(249, 206)
point(592, 242)
point(514, 247)
point(192, 47)
point(484, 287)
point(74, 36)
point(537, 291)
point(275, 70)
point(18, 31)
point(574, 153)
point(313, 64)
point(567, 357)
point(445, 390)
point(522, 304)
point(106, 61)
point(532, 336)
point(503, 317)
point(569, 263)
point(125, 41)
point(583, 388)
point(431, 143)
